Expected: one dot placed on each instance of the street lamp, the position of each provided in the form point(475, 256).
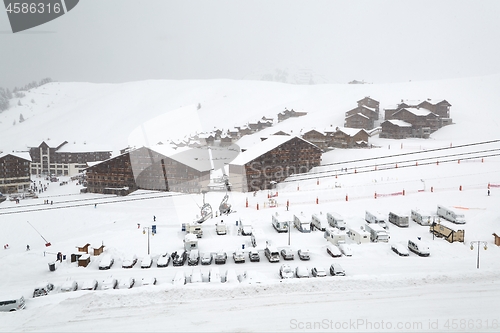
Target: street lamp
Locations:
point(485, 244)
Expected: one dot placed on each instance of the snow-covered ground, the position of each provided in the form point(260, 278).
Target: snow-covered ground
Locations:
point(380, 292)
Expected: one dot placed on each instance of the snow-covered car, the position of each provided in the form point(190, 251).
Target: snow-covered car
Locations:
point(303, 254)
point(179, 258)
point(194, 258)
point(179, 279)
point(231, 276)
point(163, 260)
point(196, 276)
point(106, 262)
point(286, 271)
point(287, 253)
point(220, 257)
point(333, 250)
point(400, 249)
point(318, 272)
point(69, 285)
point(43, 289)
point(302, 272)
point(126, 283)
point(146, 262)
point(336, 270)
point(214, 275)
point(129, 261)
point(148, 281)
point(110, 283)
point(89, 285)
point(254, 255)
point(238, 257)
point(251, 277)
point(345, 249)
point(206, 258)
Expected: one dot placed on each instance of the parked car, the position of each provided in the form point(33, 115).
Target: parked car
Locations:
point(336, 270)
point(149, 281)
point(302, 272)
point(220, 257)
point(345, 249)
point(12, 303)
point(179, 258)
point(318, 272)
point(333, 250)
point(238, 257)
point(126, 283)
point(179, 278)
point(43, 289)
point(146, 262)
point(106, 262)
point(206, 258)
point(400, 249)
point(231, 276)
point(163, 260)
point(89, 285)
point(110, 283)
point(287, 253)
point(303, 254)
point(254, 255)
point(129, 261)
point(214, 275)
point(194, 258)
point(286, 271)
point(69, 285)
point(196, 276)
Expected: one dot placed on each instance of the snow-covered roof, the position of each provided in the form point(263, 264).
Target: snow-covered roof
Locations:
point(357, 114)
point(263, 147)
point(82, 148)
point(399, 123)
point(350, 131)
point(23, 155)
point(416, 111)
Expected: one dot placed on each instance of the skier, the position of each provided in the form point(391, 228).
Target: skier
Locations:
point(27, 247)
point(154, 218)
point(488, 192)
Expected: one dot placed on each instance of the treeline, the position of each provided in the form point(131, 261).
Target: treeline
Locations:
point(6, 95)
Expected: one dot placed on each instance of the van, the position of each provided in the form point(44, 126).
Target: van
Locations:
point(12, 304)
point(334, 235)
point(450, 215)
point(377, 232)
point(419, 248)
point(281, 221)
point(302, 223)
point(422, 218)
point(272, 254)
point(319, 221)
point(376, 217)
point(336, 221)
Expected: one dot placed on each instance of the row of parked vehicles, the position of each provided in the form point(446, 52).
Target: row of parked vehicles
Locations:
point(286, 271)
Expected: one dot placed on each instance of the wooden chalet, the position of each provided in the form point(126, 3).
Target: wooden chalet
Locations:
point(371, 103)
point(349, 138)
point(396, 129)
point(316, 137)
point(148, 169)
point(226, 140)
point(290, 114)
point(359, 120)
point(370, 112)
point(496, 240)
point(418, 118)
point(439, 107)
point(14, 172)
point(64, 158)
point(448, 231)
point(271, 161)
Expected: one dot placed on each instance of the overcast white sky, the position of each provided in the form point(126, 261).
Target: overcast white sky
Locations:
point(376, 41)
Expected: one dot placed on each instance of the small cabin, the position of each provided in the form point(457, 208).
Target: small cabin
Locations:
point(84, 248)
point(497, 238)
point(448, 231)
point(99, 250)
point(84, 260)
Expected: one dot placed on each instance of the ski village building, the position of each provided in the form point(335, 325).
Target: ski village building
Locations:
point(63, 159)
point(14, 172)
point(271, 161)
point(184, 170)
point(415, 119)
point(349, 137)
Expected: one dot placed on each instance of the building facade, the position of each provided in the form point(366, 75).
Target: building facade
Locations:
point(14, 172)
